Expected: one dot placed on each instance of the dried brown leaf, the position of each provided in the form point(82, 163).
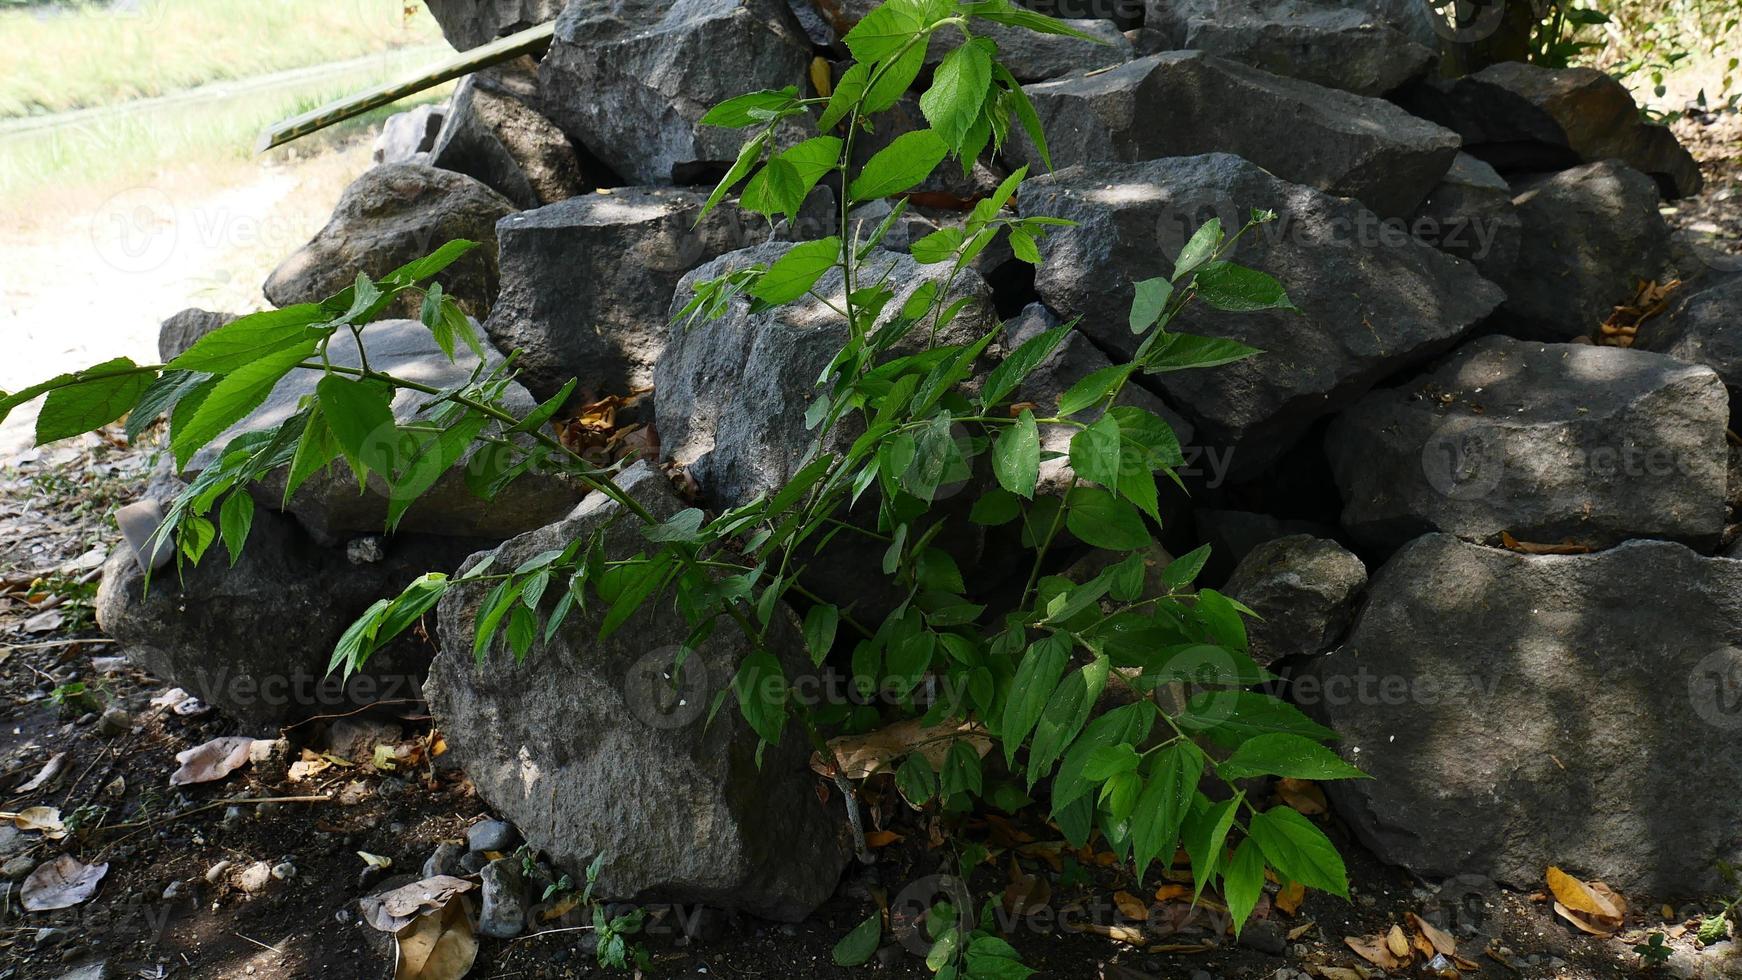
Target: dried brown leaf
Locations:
point(61, 883)
point(393, 910)
point(211, 760)
point(437, 946)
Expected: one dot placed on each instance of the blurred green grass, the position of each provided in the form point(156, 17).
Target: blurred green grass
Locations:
point(62, 57)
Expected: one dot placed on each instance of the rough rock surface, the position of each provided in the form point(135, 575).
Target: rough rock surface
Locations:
point(730, 394)
point(1305, 590)
point(1339, 45)
point(1234, 534)
point(631, 79)
point(1589, 235)
point(508, 144)
point(329, 504)
point(407, 136)
point(1704, 327)
point(587, 283)
point(1180, 103)
point(389, 216)
point(602, 756)
point(1520, 711)
point(182, 330)
point(253, 638)
point(1523, 117)
point(1370, 305)
point(469, 23)
point(1549, 442)
point(1471, 215)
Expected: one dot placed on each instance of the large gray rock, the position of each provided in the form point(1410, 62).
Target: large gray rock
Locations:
point(1523, 117)
point(1589, 235)
point(503, 140)
point(587, 748)
point(1549, 442)
point(1339, 45)
point(1180, 103)
point(184, 329)
point(587, 283)
point(1520, 711)
point(469, 23)
point(1471, 215)
point(730, 394)
point(1304, 590)
point(389, 216)
point(1704, 327)
point(407, 137)
point(330, 504)
point(1371, 305)
point(253, 638)
point(631, 79)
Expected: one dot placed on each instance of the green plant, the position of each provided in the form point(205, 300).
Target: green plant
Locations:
point(888, 416)
point(1652, 952)
point(610, 947)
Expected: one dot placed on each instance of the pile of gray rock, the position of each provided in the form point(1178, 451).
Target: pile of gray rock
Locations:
point(1548, 641)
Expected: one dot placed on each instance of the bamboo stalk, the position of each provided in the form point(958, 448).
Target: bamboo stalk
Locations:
point(530, 41)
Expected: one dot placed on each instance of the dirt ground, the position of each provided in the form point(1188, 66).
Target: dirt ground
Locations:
point(162, 911)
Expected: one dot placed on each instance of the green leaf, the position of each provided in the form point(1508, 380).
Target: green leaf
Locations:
point(793, 274)
point(112, 389)
point(1036, 677)
point(1203, 245)
point(246, 339)
point(907, 160)
point(418, 270)
point(361, 420)
point(751, 108)
point(1095, 452)
point(1016, 456)
point(235, 517)
point(1288, 755)
point(762, 694)
point(1232, 717)
point(1243, 882)
point(1016, 100)
point(1183, 571)
point(1005, 12)
point(1065, 713)
point(820, 624)
point(1021, 362)
point(1109, 761)
point(883, 31)
point(961, 770)
point(1179, 351)
point(1149, 303)
point(782, 186)
point(995, 507)
point(939, 246)
point(1237, 289)
point(161, 396)
point(857, 947)
point(1098, 518)
point(748, 154)
point(1204, 836)
point(848, 91)
point(1167, 796)
point(916, 780)
point(958, 91)
point(890, 81)
point(1093, 387)
point(1298, 850)
point(232, 398)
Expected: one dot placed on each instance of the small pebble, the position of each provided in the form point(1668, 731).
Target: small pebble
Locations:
point(503, 915)
point(255, 877)
point(114, 721)
point(284, 871)
point(492, 835)
point(217, 872)
point(172, 891)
